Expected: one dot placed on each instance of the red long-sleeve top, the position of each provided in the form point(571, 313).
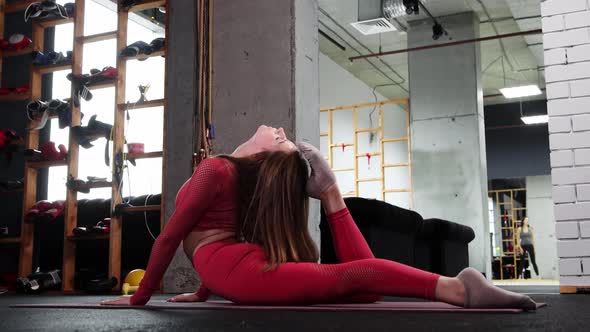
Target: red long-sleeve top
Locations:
point(205, 201)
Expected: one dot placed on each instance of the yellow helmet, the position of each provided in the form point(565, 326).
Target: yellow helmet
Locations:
point(134, 277)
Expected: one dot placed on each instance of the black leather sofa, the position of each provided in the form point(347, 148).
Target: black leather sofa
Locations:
point(403, 236)
point(92, 255)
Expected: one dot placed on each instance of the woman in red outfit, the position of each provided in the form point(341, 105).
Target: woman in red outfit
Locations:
point(243, 222)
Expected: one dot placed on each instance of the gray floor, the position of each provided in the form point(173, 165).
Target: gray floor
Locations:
point(564, 313)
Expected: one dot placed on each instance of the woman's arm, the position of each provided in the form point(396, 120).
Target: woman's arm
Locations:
point(518, 230)
point(201, 191)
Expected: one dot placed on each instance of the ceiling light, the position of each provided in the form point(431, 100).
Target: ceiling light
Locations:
point(521, 91)
point(535, 119)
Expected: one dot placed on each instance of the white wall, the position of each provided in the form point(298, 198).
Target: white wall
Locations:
point(566, 40)
point(539, 202)
point(338, 87)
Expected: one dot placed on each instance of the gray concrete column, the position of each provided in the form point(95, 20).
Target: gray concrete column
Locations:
point(179, 116)
point(447, 131)
point(265, 71)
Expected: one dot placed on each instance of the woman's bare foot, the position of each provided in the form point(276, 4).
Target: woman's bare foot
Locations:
point(450, 290)
point(480, 293)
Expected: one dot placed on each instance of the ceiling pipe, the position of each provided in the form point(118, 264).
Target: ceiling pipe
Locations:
point(332, 40)
point(459, 42)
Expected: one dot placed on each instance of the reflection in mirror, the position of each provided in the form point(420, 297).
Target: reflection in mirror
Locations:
point(521, 230)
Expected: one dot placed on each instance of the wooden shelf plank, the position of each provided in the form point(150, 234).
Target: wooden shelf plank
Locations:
point(396, 165)
point(147, 104)
point(15, 97)
point(52, 68)
point(45, 164)
point(97, 37)
point(155, 154)
point(102, 85)
point(146, 4)
point(18, 6)
point(144, 56)
point(391, 140)
point(10, 191)
point(89, 237)
point(23, 51)
point(101, 184)
point(9, 240)
point(142, 208)
point(396, 191)
point(53, 21)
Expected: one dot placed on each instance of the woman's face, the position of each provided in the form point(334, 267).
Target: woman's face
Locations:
point(272, 139)
point(525, 222)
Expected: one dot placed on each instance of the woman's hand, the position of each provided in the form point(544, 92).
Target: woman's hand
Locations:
point(186, 297)
point(123, 300)
point(322, 178)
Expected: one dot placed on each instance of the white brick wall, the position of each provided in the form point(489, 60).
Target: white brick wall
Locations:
point(555, 7)
point(564, 194)
point(578, 53)
point(567, 230)
point(573, 248)
point(583, 192)
point(572, 175)
point(575, 140)
point(566, 41)
point(562, 158)
point(570, 106)
point(582, 157)
point(574, 211)
point(581, 122)
point(571, 71)
point(570, 267)
point(577, 20)
point(559, 124)
point(579, 88)
point(555, 57)
point(566, 38)
point(574, 281)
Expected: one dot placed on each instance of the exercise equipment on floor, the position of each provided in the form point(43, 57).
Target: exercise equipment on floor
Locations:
point(132, 281)
point(38, 282)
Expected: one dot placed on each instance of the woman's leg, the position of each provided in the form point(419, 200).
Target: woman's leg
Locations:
point(350, 245)
point(531, 250)
point(236, 272)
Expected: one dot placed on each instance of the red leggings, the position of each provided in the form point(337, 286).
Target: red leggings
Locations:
point(235, 271)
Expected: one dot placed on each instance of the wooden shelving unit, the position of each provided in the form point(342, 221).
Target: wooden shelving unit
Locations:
point(121, 106)
point(9, 240)
point(509, 215)
point(32, 137)
point(146, 104)
point(45, 164)
point(354, 145)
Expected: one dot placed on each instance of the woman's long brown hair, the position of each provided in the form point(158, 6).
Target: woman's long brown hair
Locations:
point(273, 206)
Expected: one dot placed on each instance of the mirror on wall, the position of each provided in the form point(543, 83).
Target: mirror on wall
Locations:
point(522, 231)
